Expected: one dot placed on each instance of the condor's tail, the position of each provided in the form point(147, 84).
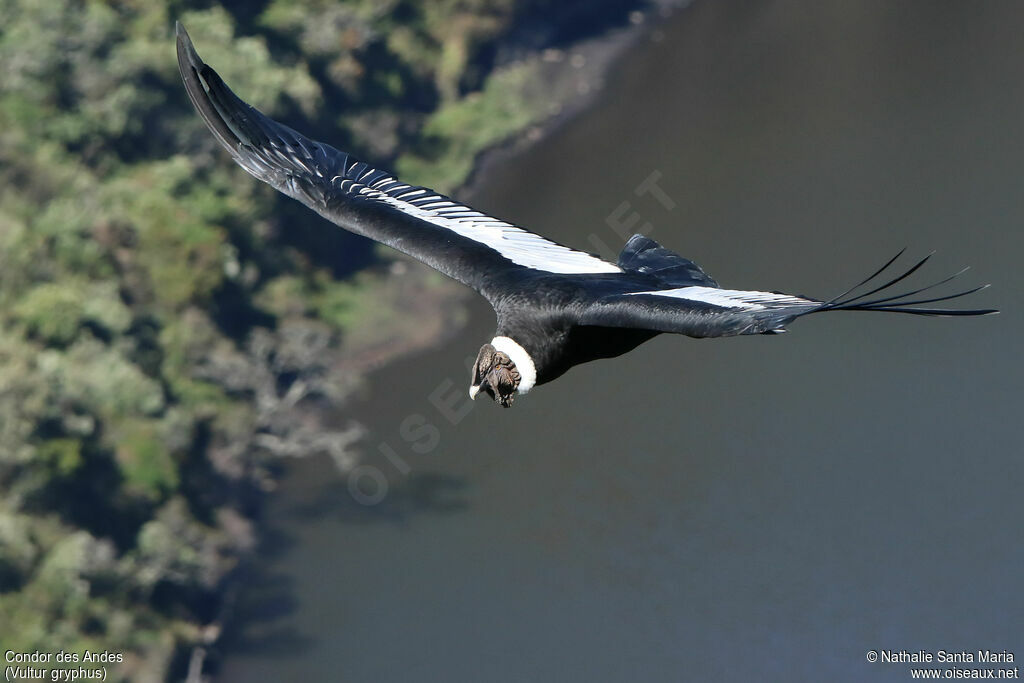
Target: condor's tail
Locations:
point(905, 302)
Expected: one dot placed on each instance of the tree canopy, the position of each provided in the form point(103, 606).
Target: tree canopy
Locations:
point(167, 323)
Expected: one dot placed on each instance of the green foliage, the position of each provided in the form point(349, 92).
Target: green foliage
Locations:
point(455, 134)
point(99, 380)
point(246, 63)
point(62, 456)
point(149, 306)
point(149, 470)
point(53, 312)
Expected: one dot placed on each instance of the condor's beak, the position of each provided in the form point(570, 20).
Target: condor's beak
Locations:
point(473, 391)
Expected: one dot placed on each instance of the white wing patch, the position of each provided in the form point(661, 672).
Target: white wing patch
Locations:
point(517, 245)
point(733, 298)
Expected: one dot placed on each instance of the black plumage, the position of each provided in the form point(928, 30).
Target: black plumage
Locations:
point(556, 307)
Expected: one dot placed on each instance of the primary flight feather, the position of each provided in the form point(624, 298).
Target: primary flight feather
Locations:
point(556, 307)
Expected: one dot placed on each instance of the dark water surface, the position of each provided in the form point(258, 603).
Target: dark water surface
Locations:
point(765, 508)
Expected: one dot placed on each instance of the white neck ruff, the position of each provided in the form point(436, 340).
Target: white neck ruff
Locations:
point(518, 355)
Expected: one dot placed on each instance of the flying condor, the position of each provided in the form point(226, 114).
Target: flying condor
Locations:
point(556, 307)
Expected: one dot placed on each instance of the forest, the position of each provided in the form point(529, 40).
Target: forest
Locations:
point(170, 329)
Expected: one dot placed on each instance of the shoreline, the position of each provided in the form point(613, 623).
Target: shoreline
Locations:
point(576, 75)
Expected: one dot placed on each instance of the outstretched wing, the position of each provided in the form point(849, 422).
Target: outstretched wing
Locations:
point(645, 256)
point(699, 311)
point(478, 250)
point(709, 311)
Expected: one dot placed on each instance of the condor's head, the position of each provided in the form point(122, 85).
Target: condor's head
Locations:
point(502, 369)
